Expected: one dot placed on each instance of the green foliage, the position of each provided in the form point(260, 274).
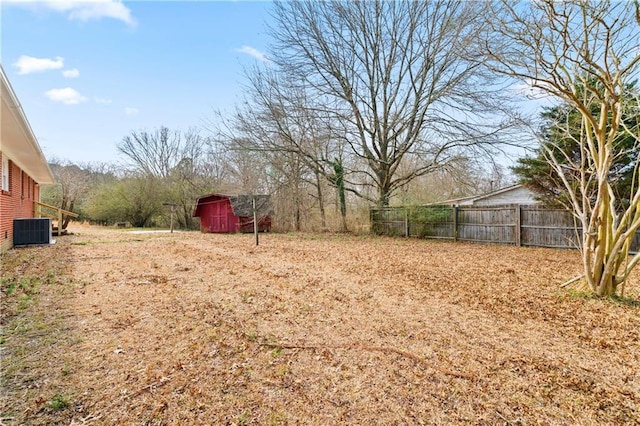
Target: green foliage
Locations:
point(562, 134)
point(614, 299)
point(136, 199)
point(25, 301)
point(58, 402)
point(27, 286)
point(277, 418)
point(8, 286)
point(22, 289)
point(337, 179)
point(74, 185)
point(244, 418)
point(424, 220)
point(166, 166)
point(51, 194)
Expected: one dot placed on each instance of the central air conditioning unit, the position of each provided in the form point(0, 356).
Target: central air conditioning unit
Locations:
point(31, 231)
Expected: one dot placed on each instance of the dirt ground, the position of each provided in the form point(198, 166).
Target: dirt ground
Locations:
point(116, 327)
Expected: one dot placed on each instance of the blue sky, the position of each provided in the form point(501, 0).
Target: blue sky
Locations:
point(87, 74)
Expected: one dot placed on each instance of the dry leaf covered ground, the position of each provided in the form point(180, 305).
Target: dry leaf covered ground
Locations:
point(116, 327)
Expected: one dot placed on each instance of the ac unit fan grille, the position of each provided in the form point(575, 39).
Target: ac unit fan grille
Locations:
point(31, 231)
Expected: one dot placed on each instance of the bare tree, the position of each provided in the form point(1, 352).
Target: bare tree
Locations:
point(403, 79)
point(185, 163)
point(72, 184)
point(154, 153)
point(583, 53)
point(279, 121)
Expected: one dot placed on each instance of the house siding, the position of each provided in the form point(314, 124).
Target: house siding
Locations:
point(516, 195)
point(16, 203)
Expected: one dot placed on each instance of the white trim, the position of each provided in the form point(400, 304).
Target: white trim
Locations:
point(17, 138)
point(5, 172)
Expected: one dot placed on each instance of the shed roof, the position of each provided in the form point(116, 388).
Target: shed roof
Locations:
point(241, 204)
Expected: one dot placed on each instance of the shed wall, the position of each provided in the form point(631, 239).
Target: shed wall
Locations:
point(217, 216)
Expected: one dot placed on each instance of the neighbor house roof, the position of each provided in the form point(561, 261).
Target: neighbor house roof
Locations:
point(17, 140)
point(514, 194)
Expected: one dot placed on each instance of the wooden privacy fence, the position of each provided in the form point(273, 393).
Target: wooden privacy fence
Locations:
point(520, 225)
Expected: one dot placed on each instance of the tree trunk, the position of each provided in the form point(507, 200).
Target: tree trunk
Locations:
point(338, 170)
point(297, 208)
point(66, 219)
point(323, 216)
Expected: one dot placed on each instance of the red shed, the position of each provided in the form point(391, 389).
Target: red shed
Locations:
point(221, 213)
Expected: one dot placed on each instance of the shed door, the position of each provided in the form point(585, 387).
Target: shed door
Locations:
point(221, 216)
point(218, 216)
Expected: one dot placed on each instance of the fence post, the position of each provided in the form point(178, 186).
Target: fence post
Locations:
point(518, 230)
point(455, 223)
point(373, 225)
point(406, 222)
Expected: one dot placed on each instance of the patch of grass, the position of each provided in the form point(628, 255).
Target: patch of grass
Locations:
point(108, 242)
point(615, 299)
point(10, 286)
point(248, 296)
point(25, 301)
point(244, 418)
point(28, 285)
point(282, 370)
point(59, 402)
point(51, 277)
point(625, 301)
point(20, 326)
point(277, 418)
point(581, 294)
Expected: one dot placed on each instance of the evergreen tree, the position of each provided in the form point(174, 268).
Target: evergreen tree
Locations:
point(561, 133)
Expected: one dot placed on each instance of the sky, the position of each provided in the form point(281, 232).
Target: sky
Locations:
point(89, 73)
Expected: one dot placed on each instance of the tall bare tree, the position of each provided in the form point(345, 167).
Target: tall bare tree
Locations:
point(157, 153)
point(184, 163)
point(72, 184)
point(403, 79)
point(279, 121)
point(584, 53)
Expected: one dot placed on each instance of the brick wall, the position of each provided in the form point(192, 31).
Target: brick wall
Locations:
point(15, 203)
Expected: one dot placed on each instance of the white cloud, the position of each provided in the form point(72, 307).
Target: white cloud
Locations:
point(29, 64)
point(131, 111)
point(73, 73)
point(84, 10)
point(67, 96)
point(102, 100)
point(251, 51)
point(102, 9)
